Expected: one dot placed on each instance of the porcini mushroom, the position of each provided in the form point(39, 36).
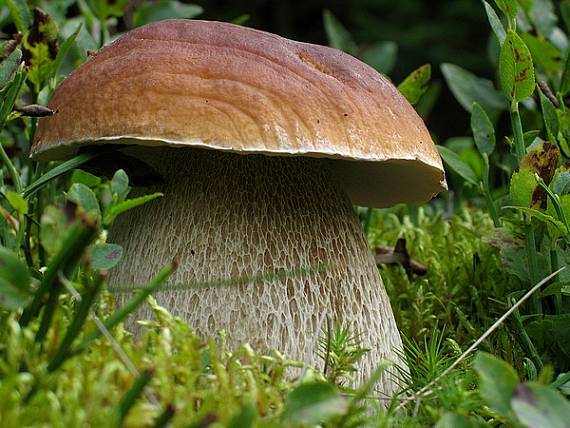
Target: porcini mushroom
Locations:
point(295, 134)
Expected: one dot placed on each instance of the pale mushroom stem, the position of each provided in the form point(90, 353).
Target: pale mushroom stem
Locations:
point(228, 216)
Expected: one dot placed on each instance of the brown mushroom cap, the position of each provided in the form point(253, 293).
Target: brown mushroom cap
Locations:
point(222, 86)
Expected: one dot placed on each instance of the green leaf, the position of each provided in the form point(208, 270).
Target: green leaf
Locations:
point(60, 170)
point(337, 34)
point(516, 71)
point(105, 256)
point(20, 14)
point(498, 381)
point(18, 202)
point(120, 183)
point(415, 85)
point(10, 93)
point(313, 403)
point(62, 52)
point(85, 198)
point(561, 183)
point(565, 13)
point(121, 207)
point(495, 23)
point(53, 227)
point(483, 130)
point(83, 177)
point(468, 88)
point(549, 116)
point(381, 56)
point(9, 66)
point(541, 216)
point(543, 16)
point(456, 164)
point(538, 405)
point(508, 7)
point(544, 53)
point(164, 9)
point(15, 281)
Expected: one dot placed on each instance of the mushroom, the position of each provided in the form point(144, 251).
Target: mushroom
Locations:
point(264, 145)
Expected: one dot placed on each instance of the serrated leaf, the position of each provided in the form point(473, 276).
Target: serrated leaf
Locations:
point(121, 207)
point(483, 130)
point(9, 66)
point(415, 85)
point(338, 36)
point(516, 70)
point(456, 164)
point(538, 405)
point(381, 56)
point(495, 23)
point(313, 403)
point(15, 281)
point(105, 256)
point(120, 183)
point(85, 198)
point(164, 9)
point(468, 88)
point(498, 382)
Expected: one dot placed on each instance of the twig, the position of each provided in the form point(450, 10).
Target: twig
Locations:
point(548, 93)
point(425, 391)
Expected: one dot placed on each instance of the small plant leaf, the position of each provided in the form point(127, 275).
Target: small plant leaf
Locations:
point(495, 23)
point(416, 84)
point(543, 16)
point(313, 403)
point(120, 183)
point(561, 182)
point(381, 56)
point(85, 198)
point(20, 14)
point(83, 177)
point(498, 381)
point(164, 9)
point(508, 7)
point(456, 164)
point(9, 66)
point(538, 405)
point(483, 130)
point(337, 34)
point(62, 52)
point(105, 256)
point(17, 202)
point(121, 207)
point(549, 116)
point(516, 70)
point(544, 54)
point(15, 281)
point(468, 88)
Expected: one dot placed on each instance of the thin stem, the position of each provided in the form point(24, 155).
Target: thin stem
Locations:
point(527, 343)
point(558, 296)
point(518, 132)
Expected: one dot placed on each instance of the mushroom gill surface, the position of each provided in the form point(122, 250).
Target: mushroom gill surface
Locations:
point(228, 216)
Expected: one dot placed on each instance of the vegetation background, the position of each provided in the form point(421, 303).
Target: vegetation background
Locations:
point(492, 81)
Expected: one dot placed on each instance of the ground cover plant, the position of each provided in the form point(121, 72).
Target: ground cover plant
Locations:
point(66, 359)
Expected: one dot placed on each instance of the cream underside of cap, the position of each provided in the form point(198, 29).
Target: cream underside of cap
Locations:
point(405, 179)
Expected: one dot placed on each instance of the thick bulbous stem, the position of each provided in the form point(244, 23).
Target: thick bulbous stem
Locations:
point(228, 216)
